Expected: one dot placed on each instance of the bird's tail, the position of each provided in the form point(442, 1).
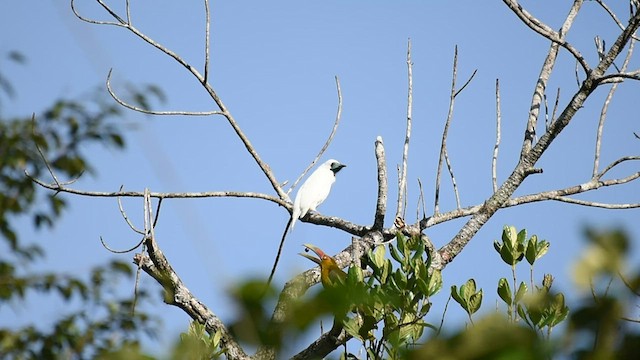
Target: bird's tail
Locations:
point(290, 224)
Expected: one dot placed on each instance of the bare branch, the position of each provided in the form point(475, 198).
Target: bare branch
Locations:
point(178, 195)
point(547, 32)
point(546, 70)
point(329, 139)
point(120, 22)
point(453, 179)
point(111, 250)
point(402, 183)
point(112, 13)
point(206, 40)
point(555, 109)
point(466, 83)
point(128, 10)
point(594, 203)
point(212, 93)
point(529, 158)
point(436, 208)
point(325, 344)
point(613, 16)
point(44, 158)
point(381, 205)
point(614, 164)
point(605, 108)
point(443, 146)
point(124, 214)
point(494, 159)
point(421, 201)
point(153, 112)
point(158, 267)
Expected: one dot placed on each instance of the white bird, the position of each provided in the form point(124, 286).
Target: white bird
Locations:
point(311, 194)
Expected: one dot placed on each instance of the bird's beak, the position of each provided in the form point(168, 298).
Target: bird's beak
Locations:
point(314, 259)
point(316, 250)
point(337, 168)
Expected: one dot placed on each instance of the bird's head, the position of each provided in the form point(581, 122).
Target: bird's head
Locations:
point(334, 165)
point(322, 256)
point(330, 272)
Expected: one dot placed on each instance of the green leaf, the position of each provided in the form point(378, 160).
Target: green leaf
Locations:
point(504, 291)
point(395, 254)
point(475, 301)
point(457, 297)
point(468, 289)
point(522, 291)
point(352, 328)
point(379, 256)
point(435, 283)
point(401, 242)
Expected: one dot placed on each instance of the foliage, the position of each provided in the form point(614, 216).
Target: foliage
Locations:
point(383, 307)
point(97, 320)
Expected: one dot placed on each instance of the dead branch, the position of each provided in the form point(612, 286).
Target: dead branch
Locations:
point(445, 133)
point(153, 112)
point(206, 40)
point(402, 183)
point(547, 32)
point(605, 108)
point(156, 265)
point(613, 16)
point(224, 111)
point(494, 158)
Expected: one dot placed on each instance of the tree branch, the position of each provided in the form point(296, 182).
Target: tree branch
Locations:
point(605, 108)
point(212, 93)
point(547, 32)
point(153, 112)
point(158, 267)
point(381, 204)
point(402, 184)
point(494, 158)
point(528, 159)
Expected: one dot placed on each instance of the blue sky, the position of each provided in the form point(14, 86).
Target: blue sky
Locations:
point(273, 64)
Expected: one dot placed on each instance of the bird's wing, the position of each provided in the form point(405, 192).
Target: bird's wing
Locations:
point(315, 190)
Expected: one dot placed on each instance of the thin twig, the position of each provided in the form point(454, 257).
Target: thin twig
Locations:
point(206, 41)
point(111, 250)
point(548, 65)
point(614, 164)
point(402, 184)
point(547, 32)
point(124, 214)
point(91, 21)
point(494, 159)
point(614, 17)
point(453, 179)
point(421, 201)
point(443, 146)
point(128, 10)
point(555, 108)
point(605, 108)
point(153, 112)
point(212, 93)
point(44, 158)
point(112, 13)
point(177, 195)
point(329, 139)
point(594, 203)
